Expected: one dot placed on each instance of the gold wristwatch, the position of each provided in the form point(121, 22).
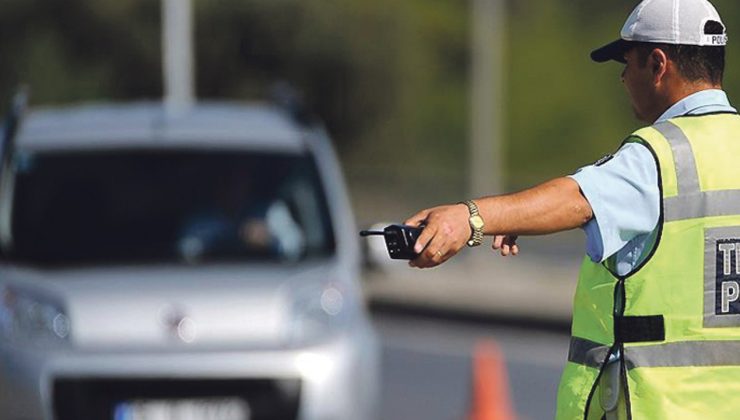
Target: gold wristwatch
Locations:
point(476, 224)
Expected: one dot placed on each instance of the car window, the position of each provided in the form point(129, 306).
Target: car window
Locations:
point(168, 206)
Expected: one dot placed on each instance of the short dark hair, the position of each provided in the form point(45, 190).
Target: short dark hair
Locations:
point(694, 62)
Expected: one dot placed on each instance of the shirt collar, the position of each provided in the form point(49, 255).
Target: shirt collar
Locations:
point(710, 100)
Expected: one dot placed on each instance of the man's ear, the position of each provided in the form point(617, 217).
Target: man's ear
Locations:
point(658, 64)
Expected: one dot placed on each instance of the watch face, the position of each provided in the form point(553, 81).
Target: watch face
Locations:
point(476, 222)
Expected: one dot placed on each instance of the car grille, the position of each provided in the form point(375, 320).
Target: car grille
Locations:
point(77, 399)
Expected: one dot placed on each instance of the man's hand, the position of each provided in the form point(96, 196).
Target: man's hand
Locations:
point(506, 243)
point(446, 232)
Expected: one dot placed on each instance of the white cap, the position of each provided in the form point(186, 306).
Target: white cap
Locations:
point(681, 22)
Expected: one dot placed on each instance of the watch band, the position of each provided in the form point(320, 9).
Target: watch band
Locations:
point(476, 224)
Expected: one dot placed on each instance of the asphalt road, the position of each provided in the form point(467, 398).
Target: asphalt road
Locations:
point(427, 367)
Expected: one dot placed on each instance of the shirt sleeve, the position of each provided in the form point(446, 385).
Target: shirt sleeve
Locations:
point(624, 196)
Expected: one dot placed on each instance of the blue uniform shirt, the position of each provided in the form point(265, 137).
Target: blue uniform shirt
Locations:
point(624, 195)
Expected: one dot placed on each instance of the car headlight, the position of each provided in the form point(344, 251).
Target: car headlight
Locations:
point(318, 312)
point(27, 318)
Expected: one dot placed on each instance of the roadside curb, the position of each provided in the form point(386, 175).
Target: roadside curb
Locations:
point(534, 291)
point(467, 316)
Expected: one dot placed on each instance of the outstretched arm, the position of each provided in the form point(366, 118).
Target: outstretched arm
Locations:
point(550, 207)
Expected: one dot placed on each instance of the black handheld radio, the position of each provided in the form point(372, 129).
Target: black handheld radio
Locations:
point(399, 239)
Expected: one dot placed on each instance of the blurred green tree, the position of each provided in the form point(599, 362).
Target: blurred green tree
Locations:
point(390, 78)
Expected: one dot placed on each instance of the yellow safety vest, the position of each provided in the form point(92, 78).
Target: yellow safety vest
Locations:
point(673, 323)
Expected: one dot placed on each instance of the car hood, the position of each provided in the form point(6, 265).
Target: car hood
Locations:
point(134, 307)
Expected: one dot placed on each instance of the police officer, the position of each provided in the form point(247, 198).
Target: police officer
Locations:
point(656, 320)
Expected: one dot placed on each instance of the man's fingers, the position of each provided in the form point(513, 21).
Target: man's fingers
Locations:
point(435, 253)
point(418, 218)
point(426, 235)
point(423, 240)
point(513, 247)
point(506, 244)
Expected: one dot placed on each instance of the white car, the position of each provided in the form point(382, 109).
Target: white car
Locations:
point(203, 265)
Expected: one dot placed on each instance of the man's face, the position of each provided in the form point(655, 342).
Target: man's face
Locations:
point(638, 80)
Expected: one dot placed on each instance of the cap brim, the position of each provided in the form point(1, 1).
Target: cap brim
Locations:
point(613, 51)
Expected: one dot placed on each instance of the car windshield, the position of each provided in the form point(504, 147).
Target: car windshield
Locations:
point(168, 206)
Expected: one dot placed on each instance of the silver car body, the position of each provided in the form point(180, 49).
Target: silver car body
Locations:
point(175, 324)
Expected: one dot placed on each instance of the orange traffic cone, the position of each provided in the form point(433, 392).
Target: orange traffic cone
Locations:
point(491, 399)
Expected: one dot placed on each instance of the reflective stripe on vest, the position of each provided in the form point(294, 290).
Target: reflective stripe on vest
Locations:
point(681, 354)
point(691, 202)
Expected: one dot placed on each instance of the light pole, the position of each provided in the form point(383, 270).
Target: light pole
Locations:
point(177, 55)
point(486, 97)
